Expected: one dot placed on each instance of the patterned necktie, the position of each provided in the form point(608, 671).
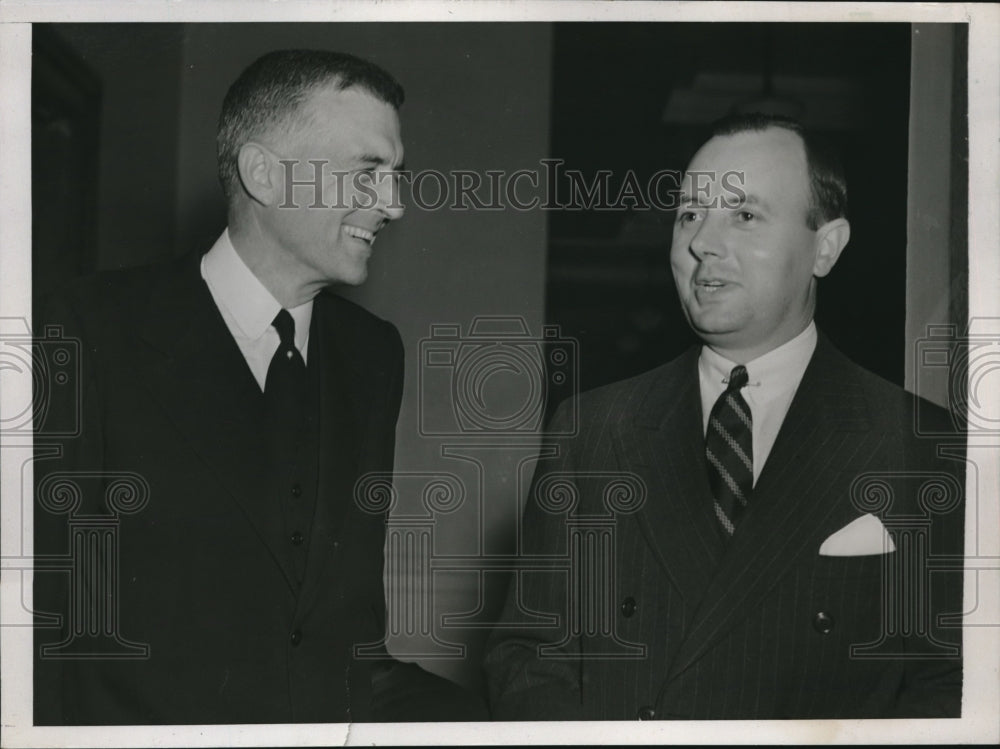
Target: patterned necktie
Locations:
point(729, 450)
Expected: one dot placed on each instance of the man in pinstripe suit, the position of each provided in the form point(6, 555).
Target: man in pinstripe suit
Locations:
point(756, 572)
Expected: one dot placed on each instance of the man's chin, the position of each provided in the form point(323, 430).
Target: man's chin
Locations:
point(355, 277)
point(716, 339)
point(711, 327)
point(722, 336)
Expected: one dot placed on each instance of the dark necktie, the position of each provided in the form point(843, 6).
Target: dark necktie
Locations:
point(729, 450)
point(285, 386)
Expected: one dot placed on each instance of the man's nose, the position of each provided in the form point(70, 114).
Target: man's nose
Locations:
point(708, 239)
point(390, 201)
point(394, 211)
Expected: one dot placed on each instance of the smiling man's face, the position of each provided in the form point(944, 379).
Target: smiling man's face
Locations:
point(326, 235)
point(745, 268)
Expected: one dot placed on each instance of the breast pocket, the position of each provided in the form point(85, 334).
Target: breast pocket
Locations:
point(866, 567)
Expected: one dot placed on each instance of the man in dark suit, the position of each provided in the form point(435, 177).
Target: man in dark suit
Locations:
point(222, 571)
point(745, 532)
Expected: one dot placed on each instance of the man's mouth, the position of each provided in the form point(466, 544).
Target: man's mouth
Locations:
point(711, 284)
point(358, 233)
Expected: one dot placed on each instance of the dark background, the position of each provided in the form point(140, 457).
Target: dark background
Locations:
point(609, 282)
point(626, 96)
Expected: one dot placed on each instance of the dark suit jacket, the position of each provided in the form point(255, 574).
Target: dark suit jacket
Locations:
point(204, 573)
point(680, 626)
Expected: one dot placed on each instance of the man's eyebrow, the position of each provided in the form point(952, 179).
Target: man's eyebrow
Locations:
point(371, 158)
point(749, 199)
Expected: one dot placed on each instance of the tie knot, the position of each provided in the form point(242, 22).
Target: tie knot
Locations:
point(285, 326)
point(738, 378)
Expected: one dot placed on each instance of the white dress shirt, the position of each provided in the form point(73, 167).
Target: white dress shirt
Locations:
point(248, 308)
point(774, 378)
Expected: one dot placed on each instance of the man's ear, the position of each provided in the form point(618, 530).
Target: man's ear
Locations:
point(257, 174)
point(831, 238)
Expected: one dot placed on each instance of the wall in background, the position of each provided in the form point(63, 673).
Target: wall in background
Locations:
point(640, 97)
point(139, 66)
point(937, 189)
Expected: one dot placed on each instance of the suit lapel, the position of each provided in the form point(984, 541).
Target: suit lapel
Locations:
point(664, 448)
point(798, 500)
point(193, 367)
point(346, 387)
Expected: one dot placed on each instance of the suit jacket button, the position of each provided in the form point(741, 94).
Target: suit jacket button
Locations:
point(646, 713)
point(296, 638)
point(823, 623)
point(628, 607)
point(298, 538)
point(296, 490)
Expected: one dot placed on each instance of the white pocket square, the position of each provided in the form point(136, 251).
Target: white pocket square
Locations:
point(862, 537)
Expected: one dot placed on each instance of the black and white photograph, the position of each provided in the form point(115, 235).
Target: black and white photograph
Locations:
point(438, 372)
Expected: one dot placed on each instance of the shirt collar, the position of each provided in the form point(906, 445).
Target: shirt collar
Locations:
point(247, 300)
point(771, 372)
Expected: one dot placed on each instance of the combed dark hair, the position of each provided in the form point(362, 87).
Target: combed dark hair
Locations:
point(269, 95)
point(828, 187)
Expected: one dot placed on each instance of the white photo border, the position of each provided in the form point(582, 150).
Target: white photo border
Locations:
point(982, 684)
